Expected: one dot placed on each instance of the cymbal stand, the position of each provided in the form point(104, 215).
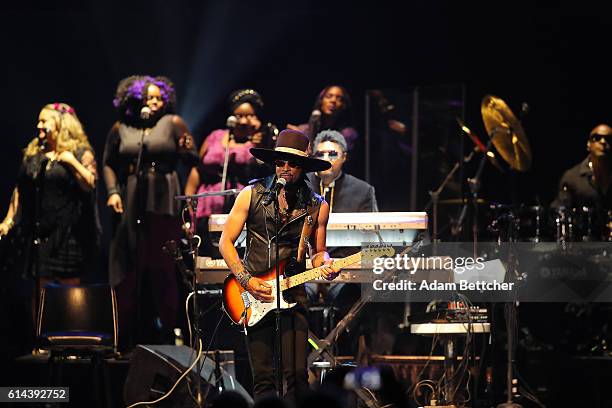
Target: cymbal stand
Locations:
point(510, 314)
point(510, 317)
point(435, 195)
point(510, 311)
point(474, 184)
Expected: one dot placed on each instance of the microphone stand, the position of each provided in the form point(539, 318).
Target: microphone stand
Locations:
point(192, 203)
point(226, 160)
point(36, 239)
point(193, 250)
point(139, 234)
point(278, 357)
point(474, 189)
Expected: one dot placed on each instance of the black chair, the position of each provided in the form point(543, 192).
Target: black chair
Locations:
point(77, 323)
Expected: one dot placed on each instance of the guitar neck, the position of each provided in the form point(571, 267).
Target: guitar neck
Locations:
point(315, 273)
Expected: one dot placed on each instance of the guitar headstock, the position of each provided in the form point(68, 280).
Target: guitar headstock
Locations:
point(377, 252)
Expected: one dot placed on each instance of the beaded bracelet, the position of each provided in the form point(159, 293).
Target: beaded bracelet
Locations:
point(243, 278)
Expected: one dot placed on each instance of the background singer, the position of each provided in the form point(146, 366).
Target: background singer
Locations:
point(141, 195)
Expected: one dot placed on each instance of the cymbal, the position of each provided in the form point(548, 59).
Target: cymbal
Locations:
point(507, 133)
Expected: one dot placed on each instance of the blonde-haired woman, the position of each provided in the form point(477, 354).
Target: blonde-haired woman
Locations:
point(52, 210)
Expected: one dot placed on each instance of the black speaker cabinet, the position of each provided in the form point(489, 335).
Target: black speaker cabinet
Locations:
point(155, 368)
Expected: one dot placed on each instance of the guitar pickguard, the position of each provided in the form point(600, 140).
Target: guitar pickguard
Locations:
point(259, 309)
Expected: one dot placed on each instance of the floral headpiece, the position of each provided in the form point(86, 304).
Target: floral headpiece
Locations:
point(242, 93)
point(246, 95)
point(62, 108)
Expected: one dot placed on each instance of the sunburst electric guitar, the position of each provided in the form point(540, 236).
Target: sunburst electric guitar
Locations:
point(245, 310)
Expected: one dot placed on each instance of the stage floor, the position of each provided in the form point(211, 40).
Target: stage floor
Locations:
point(556, 378)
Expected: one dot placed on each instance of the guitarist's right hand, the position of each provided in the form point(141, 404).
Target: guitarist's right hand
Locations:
point(260, 289)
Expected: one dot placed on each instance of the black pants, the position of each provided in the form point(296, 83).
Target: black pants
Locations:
point(261, 344)
point(149, 316)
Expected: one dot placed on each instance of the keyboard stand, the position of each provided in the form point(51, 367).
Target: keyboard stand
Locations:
point(322, 346)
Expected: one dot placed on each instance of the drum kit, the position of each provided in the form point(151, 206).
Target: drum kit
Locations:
point(536, 223)
point(525, 222)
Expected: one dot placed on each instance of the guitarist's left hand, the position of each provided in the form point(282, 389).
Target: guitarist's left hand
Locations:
point(328, 270)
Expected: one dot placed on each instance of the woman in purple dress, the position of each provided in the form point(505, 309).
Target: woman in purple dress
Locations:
point(249, 130)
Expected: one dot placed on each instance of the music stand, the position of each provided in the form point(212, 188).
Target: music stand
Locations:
point(192, 204)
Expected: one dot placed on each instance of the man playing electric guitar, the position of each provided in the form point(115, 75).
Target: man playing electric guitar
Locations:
point(303, 222)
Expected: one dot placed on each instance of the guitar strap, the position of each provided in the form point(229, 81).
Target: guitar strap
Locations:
point(309, 222)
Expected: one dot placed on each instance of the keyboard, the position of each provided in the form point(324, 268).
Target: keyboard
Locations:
point(354, 229)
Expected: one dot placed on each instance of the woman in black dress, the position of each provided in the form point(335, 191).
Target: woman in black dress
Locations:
point(52, 211)
point(50, 232)
point(141, 155)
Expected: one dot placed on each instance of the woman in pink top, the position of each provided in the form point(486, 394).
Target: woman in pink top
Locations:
point(249, 131)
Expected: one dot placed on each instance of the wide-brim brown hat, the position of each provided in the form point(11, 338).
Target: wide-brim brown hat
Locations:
point(291, 145)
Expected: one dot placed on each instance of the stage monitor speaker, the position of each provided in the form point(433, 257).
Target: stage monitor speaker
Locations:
point(155, 368)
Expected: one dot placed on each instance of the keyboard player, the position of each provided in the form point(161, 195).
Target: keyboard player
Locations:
point(344, 193)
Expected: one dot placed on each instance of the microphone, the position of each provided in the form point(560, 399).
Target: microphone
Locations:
point(145, 113)
point(315, 115)
point(231, 122)
point(314, 123)
point(280, 183)
point(480, 147)
point(43, 140)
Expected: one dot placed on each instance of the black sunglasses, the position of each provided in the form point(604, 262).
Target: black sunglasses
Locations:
point(292, 164)
point(332, 154)
point(597, 138)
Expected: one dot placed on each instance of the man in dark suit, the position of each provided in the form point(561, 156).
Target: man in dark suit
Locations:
point(343, 192)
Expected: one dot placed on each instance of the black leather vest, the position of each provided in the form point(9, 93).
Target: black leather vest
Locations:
point(260, 253)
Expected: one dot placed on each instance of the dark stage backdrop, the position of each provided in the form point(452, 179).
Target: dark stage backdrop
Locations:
point(546, 55)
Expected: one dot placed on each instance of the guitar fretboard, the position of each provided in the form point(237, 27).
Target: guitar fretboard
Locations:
point(314, 273)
